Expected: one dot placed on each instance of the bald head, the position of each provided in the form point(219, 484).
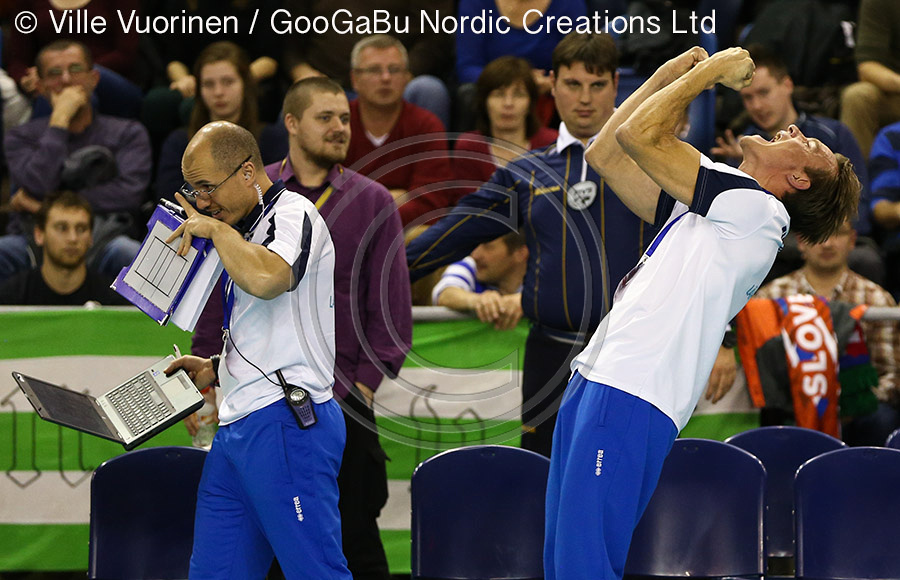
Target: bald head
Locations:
point(228, 145)
point(222, 165)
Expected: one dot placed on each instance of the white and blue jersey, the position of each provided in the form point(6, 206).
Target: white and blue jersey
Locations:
point(661, 337)
point(460, 274)
point(294, 331)
point(647, 364)
point(269, 488)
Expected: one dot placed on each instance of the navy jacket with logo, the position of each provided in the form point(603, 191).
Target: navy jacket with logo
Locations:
point(573, 234)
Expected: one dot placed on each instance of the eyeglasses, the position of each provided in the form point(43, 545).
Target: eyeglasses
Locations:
point(192, 194)
point(377, 71)
point(73, 69)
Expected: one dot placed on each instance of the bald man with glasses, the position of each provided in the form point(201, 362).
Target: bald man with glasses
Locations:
point(269, 485)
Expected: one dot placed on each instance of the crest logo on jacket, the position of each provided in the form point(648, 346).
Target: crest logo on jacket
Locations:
point(582, 195)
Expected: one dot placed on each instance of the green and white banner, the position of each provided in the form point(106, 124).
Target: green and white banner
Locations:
point(459, 386)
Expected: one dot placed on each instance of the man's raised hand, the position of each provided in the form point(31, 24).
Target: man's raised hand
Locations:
point(196, 224)
point(684, 62)
point(734, 67)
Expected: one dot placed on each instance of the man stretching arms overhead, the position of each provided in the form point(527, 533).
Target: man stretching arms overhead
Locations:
point(641, 375)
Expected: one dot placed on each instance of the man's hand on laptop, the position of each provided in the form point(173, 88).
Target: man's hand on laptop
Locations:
point(200, 370)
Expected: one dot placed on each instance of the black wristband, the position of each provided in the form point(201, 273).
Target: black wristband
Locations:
point(730, 339)
point(215, 364)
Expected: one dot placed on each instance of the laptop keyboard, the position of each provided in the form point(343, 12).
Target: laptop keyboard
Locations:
point(138, 403)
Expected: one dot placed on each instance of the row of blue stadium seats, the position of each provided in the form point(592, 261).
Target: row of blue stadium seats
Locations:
point(720, 510)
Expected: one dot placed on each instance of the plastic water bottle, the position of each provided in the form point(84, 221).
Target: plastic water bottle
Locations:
point(206, 416)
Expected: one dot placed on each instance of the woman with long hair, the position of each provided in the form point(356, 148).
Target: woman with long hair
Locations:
point(507, 122)
point(227, 88)
point(226, 91)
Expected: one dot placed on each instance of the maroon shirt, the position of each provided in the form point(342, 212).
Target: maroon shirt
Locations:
point(480, 169)
point(423, 162)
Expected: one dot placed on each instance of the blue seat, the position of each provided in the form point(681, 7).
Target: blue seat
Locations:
point(142, 514)
point(893, 440)
point(782, 450)
point(847, 514)
point(705, 518)
point(478, 513)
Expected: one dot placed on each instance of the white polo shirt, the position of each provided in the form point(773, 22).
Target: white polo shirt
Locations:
point(294, 331)
point(661, 338)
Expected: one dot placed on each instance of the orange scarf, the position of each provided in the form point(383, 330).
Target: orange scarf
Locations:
point(812, 354)
point(805, 326)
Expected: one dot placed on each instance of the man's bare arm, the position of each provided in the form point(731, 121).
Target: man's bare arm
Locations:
point(253, 267)
point(457, 298)
point(648, 135)
point(632, 185)
point(887, 213)
point(880, 76)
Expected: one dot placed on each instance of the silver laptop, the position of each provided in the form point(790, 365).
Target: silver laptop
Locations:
point(131, 413)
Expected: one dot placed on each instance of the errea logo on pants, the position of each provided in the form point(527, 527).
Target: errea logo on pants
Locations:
point(599, 465)
point(298, 509)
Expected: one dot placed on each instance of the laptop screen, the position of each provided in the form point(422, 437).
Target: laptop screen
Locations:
point(66, 407)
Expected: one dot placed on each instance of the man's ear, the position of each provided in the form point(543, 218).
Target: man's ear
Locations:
point(521, 254)
point(553, 83)
point(248, 174)
point(789, 83)
point(798, 180)
point(291, 123)
point(39, 236)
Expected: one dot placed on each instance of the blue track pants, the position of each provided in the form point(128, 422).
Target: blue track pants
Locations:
point(270, 489)
point(608, 452)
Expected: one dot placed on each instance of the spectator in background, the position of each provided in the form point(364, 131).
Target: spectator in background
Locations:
point(168, 104)
point(475, 50)
point(372, 310)
point(874, 101)
point(884, 167)
point(62, 230)
point(105, 159)
point(770, 106)
point(325, 54)
point(179, 51)
point(227, 93)
point(487, 283)
point(380, 117)
point(826, 273)
point(507, 123)
point(114, 51)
